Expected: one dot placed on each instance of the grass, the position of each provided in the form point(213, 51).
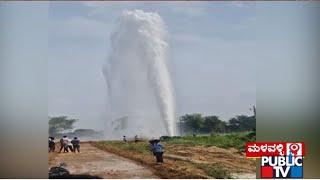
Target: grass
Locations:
point(137, 147)
point(215, 170)
point(235, 140)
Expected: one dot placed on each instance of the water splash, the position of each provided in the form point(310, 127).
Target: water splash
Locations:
point(137, 75)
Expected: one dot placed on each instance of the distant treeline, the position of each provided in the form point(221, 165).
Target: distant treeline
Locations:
point(196, 123)
point(188, 124)
point(62, 125)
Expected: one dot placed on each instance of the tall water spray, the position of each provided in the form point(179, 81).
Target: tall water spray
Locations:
point(137, 75)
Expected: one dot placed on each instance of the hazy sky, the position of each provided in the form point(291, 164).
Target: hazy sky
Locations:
point(212, 56)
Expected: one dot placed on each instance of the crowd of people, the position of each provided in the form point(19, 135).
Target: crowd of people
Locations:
point(66, 144)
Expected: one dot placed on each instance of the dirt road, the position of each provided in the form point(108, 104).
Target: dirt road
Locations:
point(95, 162)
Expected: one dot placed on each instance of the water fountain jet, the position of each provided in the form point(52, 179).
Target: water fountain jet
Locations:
point(139, 84)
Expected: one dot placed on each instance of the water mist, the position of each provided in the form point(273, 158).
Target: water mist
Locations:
point(139, 84)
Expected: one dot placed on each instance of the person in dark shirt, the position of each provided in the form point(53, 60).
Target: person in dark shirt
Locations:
point(61, 145)
point(76, 144)
point(52, 144)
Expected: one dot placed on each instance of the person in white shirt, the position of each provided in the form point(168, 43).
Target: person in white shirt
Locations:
point(70, 145)
point(67, 144)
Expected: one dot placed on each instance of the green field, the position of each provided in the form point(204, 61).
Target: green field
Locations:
point(232, 140)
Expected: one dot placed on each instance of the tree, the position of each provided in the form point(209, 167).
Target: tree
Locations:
point(247, 123)
point(209, 123)
point(220, 127)
point(193, 121)
point(212, 124)
point(233, 124)
point(242, 123)
point(59, 124)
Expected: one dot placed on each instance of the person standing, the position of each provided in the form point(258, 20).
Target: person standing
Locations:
point(76, 144)
point(69, 145)
point(158, 151)
point(61, 145)
point(124, 139)
point(65, 142)
point(52, 144)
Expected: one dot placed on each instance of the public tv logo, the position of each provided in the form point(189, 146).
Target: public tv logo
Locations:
point(278, 159)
